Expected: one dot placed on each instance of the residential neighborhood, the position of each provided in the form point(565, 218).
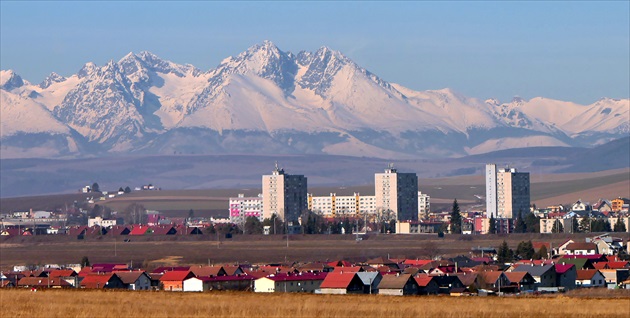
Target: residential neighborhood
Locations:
point(570, 266)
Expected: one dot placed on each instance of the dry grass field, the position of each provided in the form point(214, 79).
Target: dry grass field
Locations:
point(156, 251)
point(81, 303)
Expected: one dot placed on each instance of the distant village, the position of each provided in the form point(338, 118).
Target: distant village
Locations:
point(534, 268)
point(397, 208)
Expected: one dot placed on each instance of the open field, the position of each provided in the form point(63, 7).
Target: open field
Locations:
point(204, 249)
point(82, 303)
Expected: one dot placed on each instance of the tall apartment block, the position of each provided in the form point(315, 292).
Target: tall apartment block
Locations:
point(424, 205)
point(337, 206)
point(284, 195)
point(243, 207)
point(507, 192)
point(397, 192)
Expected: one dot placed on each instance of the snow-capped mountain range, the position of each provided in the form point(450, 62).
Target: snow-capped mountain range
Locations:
point(268, 101)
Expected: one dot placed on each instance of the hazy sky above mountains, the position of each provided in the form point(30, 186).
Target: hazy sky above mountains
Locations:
point(576, 51)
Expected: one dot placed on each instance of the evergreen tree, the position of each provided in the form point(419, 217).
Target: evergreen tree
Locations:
point(127, 189)
point(601, 225)
point(95, 187)
point(85, 261)
point(456, 219)
point(532, 223)
point(575, 226)
point(557, 227)
point(505, 254)
point(191, 214)
point(253, 225)
point(541, 253)
point(585, 224)
point(520, 226)
point(620, 226)
point(492, 228)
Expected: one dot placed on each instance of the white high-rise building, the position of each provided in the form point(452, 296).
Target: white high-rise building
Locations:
point(338, 206)
point(243, 207)
point(284, 195)
point(398, 193)
point(507, 192)
point(424, 205)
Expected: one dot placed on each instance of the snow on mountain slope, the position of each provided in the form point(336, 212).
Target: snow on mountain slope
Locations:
point(102, 108)
point(53, 93)
point(19, 114)
point(605, 115)
point(267, 100)
point(511, 142)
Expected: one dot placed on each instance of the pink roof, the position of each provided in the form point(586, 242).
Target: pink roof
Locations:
point(298, 277)
point(563, 268)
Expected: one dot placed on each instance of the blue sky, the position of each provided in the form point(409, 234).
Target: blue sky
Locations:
point(577, 51)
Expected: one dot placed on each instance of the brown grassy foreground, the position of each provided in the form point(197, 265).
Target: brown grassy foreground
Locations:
point(23, 303)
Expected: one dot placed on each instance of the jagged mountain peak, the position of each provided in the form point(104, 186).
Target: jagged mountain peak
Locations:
point(10, 80)
point(51, 79)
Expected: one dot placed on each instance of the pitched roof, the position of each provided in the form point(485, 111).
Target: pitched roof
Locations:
point(601, 265)
point(417, 262)
point(467, 279)
point(130, 277)
point(354, 269)
point(515, 277)
point(208, 271)
point(490, 277)
point(43, 282)
point(563, 268)
point(581, 246)
point(62, 273)
point(578, 262)
point(394, 281)
point(178, 276)
point(139, 230)
point(538, 245)
point(96, 280)
point(534, 270)
point(338, 280)
point(423, 280)
point(164, 269)
point(368, 278)
point(618, 265)
point(586, 274)
point(298, 277)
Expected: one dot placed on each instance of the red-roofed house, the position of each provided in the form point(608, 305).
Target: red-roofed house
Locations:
point(417, 262)
point(43, 282)
point(174, 280)
point(427, 285)
point(163, 230)
point(342, 283)
point(521, 280)
point(100, 281)
point(566, 274)
point(590, 278)
point(208, 271)
point(140, 230)
point(302, 282)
